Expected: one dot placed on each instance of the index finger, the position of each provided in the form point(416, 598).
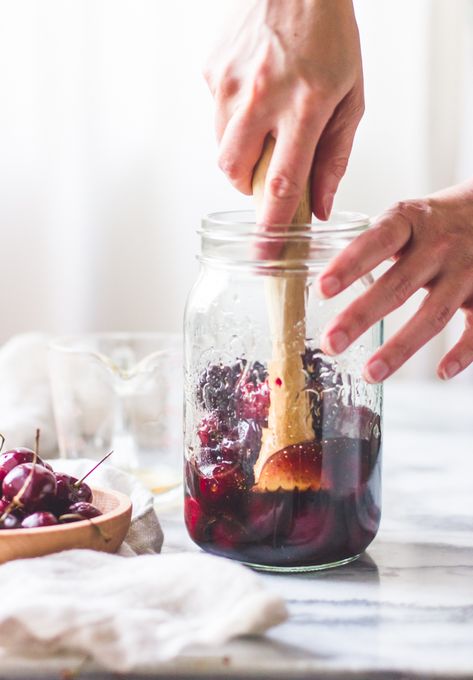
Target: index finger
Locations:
point(380, 242)
point(289, 169)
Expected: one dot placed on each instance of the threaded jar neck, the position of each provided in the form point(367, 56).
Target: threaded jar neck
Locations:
point(235, 239)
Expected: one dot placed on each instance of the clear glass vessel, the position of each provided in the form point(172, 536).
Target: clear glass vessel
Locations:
point(121, 391)
point(282, 443)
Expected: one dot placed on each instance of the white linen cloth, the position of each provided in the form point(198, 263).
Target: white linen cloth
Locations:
point(133, 609)
point(129, 613)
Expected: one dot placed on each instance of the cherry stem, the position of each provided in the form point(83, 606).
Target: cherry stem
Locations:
point(79, 482)
point(3, 441)
point(71, 515)
point(16, 500)
point(36, 446)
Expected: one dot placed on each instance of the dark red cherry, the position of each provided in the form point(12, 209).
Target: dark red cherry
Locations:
point(218, 484)
point(253, 402)
point(67, 492)
point(192, 515)
point(230, 450)
point(212, 429)
point(39, 519)
point(309, 527)
point(85, 510)
point(215, 390)
point(4, 503)
point(250, 436)
point(14, 457)
point(35, 482)
point(270, 515)
point(362, 515)
point(227, 532)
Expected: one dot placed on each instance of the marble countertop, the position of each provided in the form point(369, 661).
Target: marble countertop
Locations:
point(405, 608)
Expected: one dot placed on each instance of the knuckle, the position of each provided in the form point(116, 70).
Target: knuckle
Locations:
point(347, 115)
point(355, 105)
point(439, 317)
point(228, 85)
point(283, 187)
point(441, 250)
point(337, 166)
point(413, 211)
point(261, 89)
point(355, 116)
point(230, 167)
point(327, 88)
point(305, 117)
point(262, 82)
point(306, 102)
point(359, 109)
point(400, 290)
point(385, 238)
point(401, 208)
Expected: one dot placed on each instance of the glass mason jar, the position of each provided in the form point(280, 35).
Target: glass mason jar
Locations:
point(282, 442)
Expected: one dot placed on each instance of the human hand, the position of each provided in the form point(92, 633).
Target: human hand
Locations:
point(431, 243)
point(292, 70)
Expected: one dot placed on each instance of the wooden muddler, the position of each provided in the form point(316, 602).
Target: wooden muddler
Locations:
point(289, 420)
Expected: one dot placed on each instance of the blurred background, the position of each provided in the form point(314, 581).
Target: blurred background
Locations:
point(108, 157)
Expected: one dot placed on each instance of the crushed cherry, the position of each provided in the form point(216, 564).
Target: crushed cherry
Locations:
point(253, 402)
point(314, 503)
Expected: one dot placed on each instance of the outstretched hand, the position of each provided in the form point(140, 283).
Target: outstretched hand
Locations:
point(431, 243)
point(292, 70)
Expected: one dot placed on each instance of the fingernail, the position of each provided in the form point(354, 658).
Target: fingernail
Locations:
point(337, 341)
point(450, 370)
point(329, 286)
point(376, 371)
point(327, 205)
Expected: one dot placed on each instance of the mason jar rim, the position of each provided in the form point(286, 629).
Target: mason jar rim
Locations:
point(242, 224)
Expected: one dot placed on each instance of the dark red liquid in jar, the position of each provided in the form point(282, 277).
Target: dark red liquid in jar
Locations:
point(336, 514)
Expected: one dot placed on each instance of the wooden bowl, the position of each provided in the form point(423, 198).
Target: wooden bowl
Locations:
point(105, 533)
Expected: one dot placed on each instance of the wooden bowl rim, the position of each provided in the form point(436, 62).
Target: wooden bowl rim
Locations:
point(124, 506)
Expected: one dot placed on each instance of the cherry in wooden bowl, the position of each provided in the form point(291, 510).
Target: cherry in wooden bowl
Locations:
point(104, 533)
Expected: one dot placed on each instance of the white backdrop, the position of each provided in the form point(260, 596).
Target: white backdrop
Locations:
point(107, 152)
